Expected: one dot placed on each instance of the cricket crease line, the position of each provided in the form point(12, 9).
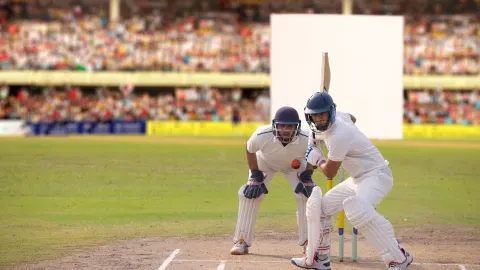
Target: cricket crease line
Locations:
point(462, 266)
point(222, 265)
point(169, 259)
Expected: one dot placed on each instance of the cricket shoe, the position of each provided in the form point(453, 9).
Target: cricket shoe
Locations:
point(240, 248)
point(404, 265)
point(319, 263)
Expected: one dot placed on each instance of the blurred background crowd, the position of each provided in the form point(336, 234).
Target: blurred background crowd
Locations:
point(104, 104)
point(442, 107)
point(441, 37)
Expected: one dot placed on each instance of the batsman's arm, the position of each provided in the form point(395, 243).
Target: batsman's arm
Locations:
point(329, 167)
point(309, 167)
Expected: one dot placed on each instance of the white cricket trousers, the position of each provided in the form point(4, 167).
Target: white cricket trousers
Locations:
point(373, 186)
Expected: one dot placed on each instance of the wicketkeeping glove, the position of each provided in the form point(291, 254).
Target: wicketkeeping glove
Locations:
point(255, 186)
point(306, 183)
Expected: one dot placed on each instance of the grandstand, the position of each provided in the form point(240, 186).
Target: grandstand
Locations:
point(215, 38)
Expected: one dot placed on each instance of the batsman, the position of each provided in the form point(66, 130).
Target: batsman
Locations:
point(276, 148)
point(370, 181)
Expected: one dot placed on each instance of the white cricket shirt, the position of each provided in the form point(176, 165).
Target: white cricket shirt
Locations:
point(346, 143)
point(271, 152)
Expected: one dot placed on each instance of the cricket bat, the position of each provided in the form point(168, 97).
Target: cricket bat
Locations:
point(325, 73)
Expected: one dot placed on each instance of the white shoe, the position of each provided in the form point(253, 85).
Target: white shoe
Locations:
point(320, 263)
point(404, 265)
point(240, 248)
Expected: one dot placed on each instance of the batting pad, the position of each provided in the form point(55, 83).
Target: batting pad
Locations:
point(247, 215)
point(314, 210)
point(301, 218)
point(376, 229)
point(327, 229)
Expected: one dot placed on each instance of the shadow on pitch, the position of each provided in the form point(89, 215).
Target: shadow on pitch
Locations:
point(283, 257)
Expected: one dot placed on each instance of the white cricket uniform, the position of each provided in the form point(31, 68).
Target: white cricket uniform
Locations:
point(274, 158)
point(370, 176)
point(369, 182)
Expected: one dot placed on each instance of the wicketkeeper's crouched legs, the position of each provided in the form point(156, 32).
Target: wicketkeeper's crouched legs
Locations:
point(301, 218)
point(301, 200)
point(376, 229)
point(247, 215)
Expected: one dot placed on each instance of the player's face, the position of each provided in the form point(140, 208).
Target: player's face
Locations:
point(321, 118)
point(286, 132)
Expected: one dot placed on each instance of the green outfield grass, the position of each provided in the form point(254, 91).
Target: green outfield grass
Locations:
point(58, 194)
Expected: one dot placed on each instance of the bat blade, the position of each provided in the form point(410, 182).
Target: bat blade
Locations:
point(325, 73)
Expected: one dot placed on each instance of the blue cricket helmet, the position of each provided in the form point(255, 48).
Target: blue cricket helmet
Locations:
point(318, 103)
point(286, 116)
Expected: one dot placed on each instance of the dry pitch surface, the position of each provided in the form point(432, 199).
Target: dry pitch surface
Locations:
point(432, 248)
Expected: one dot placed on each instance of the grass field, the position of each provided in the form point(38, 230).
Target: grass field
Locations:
point(58, 194)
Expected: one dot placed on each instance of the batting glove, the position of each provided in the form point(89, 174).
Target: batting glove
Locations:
point(314, 155)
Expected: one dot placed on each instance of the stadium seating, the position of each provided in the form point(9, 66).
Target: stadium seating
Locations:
point(211, 36)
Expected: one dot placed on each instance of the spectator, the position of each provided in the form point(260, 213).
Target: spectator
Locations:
point(4, 91)
point(105, 104)
point(442, 107)
point(440, 38)
point(74, 37)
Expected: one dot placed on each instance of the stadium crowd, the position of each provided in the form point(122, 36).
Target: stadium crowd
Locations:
point(124, 104)
point(440, 37)
point(442, 107)
point(205, 103)
point(224, 36)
